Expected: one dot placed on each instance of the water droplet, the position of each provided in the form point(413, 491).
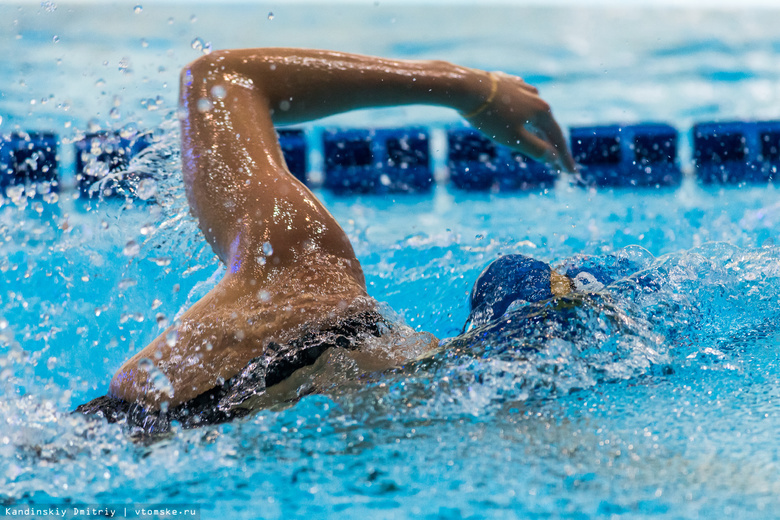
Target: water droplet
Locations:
point(3, 323)
point(51, 363)
point(145, 364)
point(263, 295)
point(126, 283)
point(162, 321)
point(162, 261)
point(171, 338)
point(268, 248)
point(156, 303)
point(270, 16)
point(199, 45)
point(114, 113)
point(131, 248)
point(55, 39)
point(260, 260)
point(146, 189)
point(218, 92)
point(124, 66)
point(204, 105)
point(137, 9)
point(193, 19)
point(1, 120)
point(284, 105)
point(49, 6)
point(144, 43)
point(170, 20)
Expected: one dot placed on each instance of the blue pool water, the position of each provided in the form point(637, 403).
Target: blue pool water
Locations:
point(650, 399)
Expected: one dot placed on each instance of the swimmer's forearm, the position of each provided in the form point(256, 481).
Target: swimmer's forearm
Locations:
point(301, 85)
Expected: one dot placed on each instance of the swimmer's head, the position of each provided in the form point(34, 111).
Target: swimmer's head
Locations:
point(508, 279)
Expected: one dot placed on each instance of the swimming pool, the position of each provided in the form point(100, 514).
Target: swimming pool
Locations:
point(662, 403)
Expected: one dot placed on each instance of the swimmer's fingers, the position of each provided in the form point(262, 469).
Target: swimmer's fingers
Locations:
point(537, 148)
point(554, 134)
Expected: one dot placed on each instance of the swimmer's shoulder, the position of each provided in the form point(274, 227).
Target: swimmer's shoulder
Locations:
point(231, 325)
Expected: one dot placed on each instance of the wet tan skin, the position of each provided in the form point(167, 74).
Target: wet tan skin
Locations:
point(243, 196)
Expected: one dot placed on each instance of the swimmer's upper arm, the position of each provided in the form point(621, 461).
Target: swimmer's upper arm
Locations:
point(234, 170)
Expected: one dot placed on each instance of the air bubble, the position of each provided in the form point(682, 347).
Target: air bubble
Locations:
point(114, 113)
point(55, 39)
point(131, 248)
point(270, 16)
point(268, 248)
point(263, 295)
point(218, 92)
point(162, 321)
point(137, 9)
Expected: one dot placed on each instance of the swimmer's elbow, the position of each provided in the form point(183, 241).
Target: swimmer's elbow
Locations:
point(226, 60)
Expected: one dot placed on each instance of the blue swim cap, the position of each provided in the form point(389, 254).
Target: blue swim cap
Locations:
point(508, 279)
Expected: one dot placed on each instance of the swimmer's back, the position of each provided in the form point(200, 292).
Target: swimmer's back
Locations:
point(235, 323)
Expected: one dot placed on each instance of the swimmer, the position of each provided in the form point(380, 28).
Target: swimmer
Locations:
point(293, 288)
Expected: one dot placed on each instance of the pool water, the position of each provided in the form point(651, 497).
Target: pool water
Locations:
point(656, 396)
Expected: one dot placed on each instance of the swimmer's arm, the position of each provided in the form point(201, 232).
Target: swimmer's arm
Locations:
point(300, 85)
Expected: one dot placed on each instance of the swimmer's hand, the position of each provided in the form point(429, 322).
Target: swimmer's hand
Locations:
point(512, 113)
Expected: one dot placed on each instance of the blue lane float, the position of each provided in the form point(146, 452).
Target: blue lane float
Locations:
point(28, 158)
point(622, 156)
point(100, 154)
point(477, 164)
point(377, 161)
point(293, 144)
point(736, 152)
